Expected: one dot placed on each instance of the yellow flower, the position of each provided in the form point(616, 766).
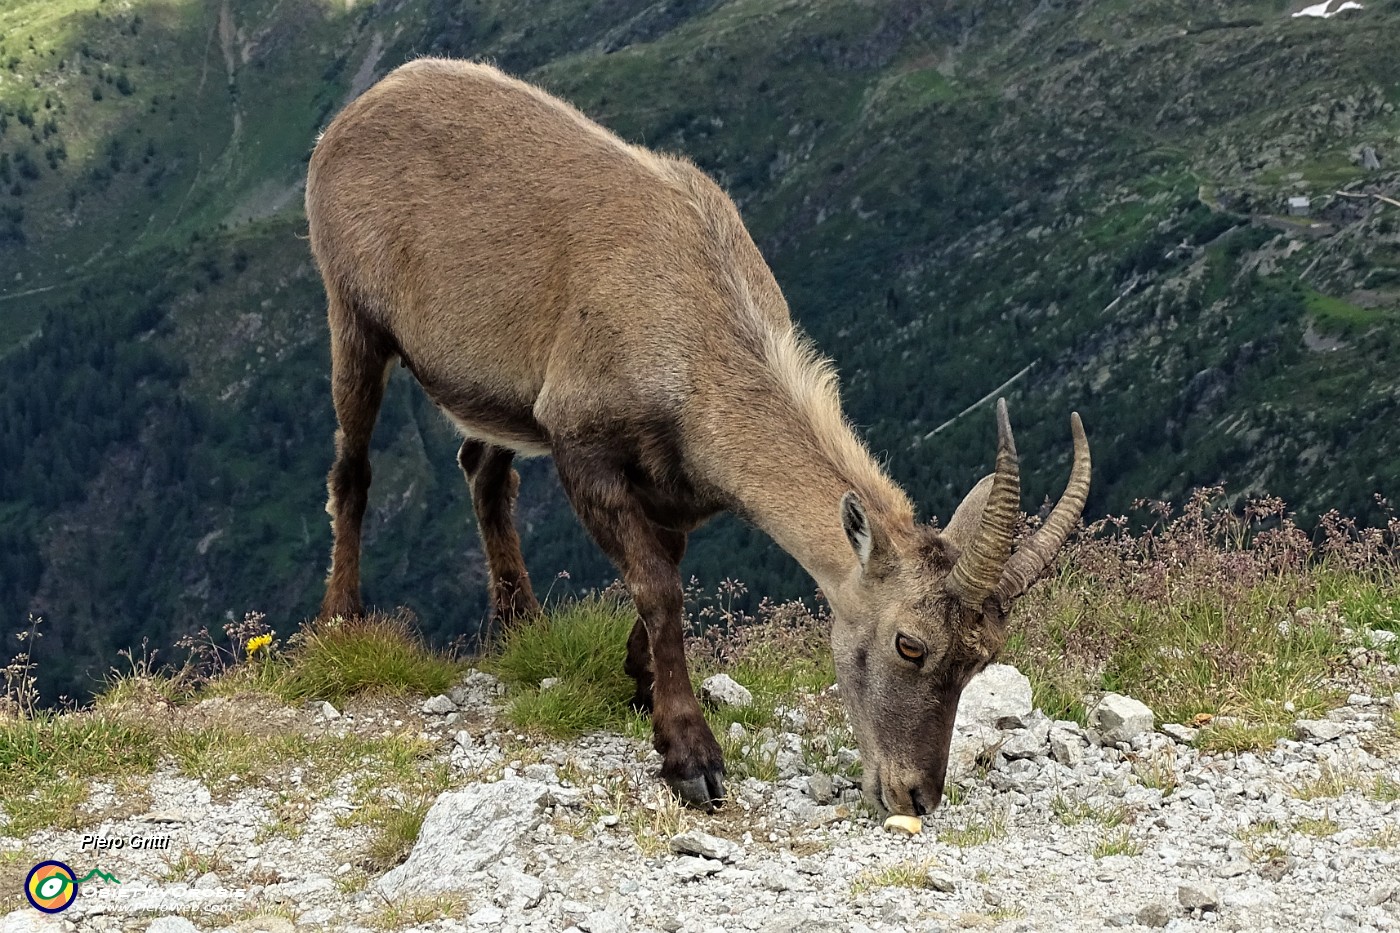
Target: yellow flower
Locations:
point(258, 643)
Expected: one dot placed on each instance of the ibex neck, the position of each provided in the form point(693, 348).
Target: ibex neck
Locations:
point(781, 450)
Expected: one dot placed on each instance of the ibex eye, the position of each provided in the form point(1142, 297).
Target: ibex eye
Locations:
point(910, 649)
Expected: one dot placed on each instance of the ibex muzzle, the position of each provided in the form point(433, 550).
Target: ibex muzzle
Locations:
point(557, 291)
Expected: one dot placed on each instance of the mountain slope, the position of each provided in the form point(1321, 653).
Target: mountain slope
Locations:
point(1089, 197)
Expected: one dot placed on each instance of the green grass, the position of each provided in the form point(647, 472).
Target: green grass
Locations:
point(1336, 314)
point(46, 764)
point(583, 644)
point(975, 831)
point(1116, 842)
point(1211, 621)
point(907, 874)
point(379, 654)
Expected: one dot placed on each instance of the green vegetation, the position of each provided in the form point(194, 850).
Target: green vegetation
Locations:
point(907, 874)
point(582, 645)
point(1207, 613)
point(48, 762)
point(1117, 842)
point(338, 658)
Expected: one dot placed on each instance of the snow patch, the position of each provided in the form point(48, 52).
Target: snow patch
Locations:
point(1328, 9)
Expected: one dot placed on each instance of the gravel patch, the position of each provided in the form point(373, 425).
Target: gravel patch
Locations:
point(1048, 830)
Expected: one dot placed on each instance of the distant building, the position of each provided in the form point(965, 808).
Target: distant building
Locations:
point(1298, 206)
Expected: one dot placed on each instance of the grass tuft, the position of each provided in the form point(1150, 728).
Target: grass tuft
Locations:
point(1117, 842)
point(976, 831)
point(583, 644)
point(339, 658)
point(1207, 611)
point(908, 874)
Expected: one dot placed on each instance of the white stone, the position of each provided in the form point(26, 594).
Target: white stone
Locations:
point(1184, 735)
point(691, 868)
point(968, 746)
point(515, 889)
point(723, 690)
point(999, 698)
point(171, 925)
point(439, 705)
point(1197, 896)
point(1117, 718)
point(1319, 730)
point(465, 831)
point(694, 842)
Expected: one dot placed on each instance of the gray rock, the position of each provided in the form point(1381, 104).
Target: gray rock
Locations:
point(1381, 638)
point(1155, 914)
point(1117, 718)
point(1029, 742)
point(1182, 735)
point(549, 683)
point(723, 690)
point(323, 710)
point(941, 882)
point(970, 743)
point(465, 831)
point(1197, 896)
point(1234, 868)
point(516, 890)
point(440, 705)
point(998, 698)
point(316, 917)
point(778, 880)
point(486, 917)
point(692, 868)
point(1066, 747)
point(1319, 730)
point(820, 789)
point(604, 921)
point(694, 842)
point(171, 925)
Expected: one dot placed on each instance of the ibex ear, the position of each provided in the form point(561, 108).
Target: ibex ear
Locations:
point(869, 542)
point(962, 527)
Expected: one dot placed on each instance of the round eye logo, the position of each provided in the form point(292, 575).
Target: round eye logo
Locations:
point(51, 887)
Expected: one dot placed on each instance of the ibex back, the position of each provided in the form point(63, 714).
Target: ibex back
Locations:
point(558, 291)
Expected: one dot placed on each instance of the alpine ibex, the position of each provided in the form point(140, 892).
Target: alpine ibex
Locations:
point(558, 291)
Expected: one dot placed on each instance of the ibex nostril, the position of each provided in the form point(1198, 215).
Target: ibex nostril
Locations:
point(917, 800)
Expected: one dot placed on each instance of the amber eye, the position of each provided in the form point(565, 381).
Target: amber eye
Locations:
point(909, 648)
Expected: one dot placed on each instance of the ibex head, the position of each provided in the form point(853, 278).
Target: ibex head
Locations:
point(925, 616)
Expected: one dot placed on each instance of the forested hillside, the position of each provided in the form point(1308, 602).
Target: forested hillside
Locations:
point(1091, 197)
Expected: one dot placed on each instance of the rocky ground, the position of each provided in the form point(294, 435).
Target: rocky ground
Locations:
point(1049, 826)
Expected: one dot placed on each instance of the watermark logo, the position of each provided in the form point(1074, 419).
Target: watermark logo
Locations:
point(53, 887)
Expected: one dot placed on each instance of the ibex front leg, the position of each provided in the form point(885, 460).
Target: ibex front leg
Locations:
point(648, 557)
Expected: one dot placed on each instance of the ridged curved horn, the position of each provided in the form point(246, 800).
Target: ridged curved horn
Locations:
point(981, 566)
point(1030, 561)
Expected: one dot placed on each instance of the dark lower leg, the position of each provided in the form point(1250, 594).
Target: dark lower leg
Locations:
point(359, 363)
point(638, 663)
point(494, 487)
point(649, 558)
point(348, 485)
point(638, 666)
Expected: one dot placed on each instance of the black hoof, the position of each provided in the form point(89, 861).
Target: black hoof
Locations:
point(703, 792)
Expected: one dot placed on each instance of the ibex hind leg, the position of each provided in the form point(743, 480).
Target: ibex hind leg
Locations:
point(494, 486)
point(360, 358)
